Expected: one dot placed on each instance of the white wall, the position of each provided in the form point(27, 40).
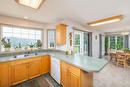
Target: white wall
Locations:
point(95, 44)
point(21, 22)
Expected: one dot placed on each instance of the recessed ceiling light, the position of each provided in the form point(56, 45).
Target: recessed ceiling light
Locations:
point(30, 3)
point(25, 17)
point(106, 20)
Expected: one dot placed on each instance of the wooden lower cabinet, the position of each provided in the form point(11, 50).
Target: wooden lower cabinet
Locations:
point(25, 69)
point(45, 64)
point(34, 68)
point(4, 75)
point(64, 75)
point(74, 80)
point(74, 77)
point(19, 73)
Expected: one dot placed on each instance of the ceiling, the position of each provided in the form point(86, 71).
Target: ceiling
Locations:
point(80, 11)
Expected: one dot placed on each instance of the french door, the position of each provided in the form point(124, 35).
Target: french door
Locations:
point(80, 42)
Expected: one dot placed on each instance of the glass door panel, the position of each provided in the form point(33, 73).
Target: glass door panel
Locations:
point(80, 42)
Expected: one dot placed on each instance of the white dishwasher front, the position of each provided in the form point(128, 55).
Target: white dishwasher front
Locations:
point(55, 69)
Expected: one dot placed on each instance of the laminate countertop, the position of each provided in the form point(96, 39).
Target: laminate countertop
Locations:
point(82, 61)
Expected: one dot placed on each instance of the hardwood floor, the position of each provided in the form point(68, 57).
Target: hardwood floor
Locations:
point(42, 81)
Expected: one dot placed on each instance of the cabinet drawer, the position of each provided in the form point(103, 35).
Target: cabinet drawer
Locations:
point(35, 59)
point(71, 68)
point(74, 70)
point(19, 61)
point(63, 64)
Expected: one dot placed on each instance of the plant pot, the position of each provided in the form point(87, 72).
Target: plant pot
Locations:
point(7, 49)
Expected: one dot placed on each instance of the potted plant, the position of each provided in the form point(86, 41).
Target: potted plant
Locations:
point(31, 46)
point(126, 50)
point(6, 43)
point(19, 47)
point(118, 46)
point(39, 44)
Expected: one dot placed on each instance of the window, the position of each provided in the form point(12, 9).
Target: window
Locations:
point(112, 42)
point(119, 45)
point(116, 42)
point(80, 42)
point(77, 43)
point(51, 39)
point(21, 36)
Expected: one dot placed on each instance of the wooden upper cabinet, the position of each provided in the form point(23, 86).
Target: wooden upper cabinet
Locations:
point(61, 34)
point(45, 64)
point(4, 75)
point(34, 67)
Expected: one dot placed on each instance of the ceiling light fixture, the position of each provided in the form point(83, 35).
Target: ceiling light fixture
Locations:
point(106, 20)
point(31, 3)
point(25, 17)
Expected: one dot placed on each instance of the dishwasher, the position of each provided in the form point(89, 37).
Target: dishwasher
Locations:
point(55, 69)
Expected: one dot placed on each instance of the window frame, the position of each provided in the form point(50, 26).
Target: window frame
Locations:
point(116, 41)
point(20, 27)
point(81, 50)
point(54, 38)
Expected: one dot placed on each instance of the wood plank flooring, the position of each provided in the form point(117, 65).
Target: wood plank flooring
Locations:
point(42, 81)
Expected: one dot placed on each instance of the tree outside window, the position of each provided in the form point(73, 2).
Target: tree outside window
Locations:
point(112, 42)
point(77, 43)
point(116, 42)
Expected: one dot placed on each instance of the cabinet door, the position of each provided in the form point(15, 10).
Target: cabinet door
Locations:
point(4, 75)
point(35, 68)
point(61, 34)
point(74, 80)
point(64, 75)
point(45, 64)
point(74, 76)
point(19, 73)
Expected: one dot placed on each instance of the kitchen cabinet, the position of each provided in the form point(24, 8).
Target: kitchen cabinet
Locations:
point(34, 67)
point(19, 72)
point(61, 34)
point(74, 77)
point(4, 75)
point(64, 74)
point(25, 69)
point(45, 64)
